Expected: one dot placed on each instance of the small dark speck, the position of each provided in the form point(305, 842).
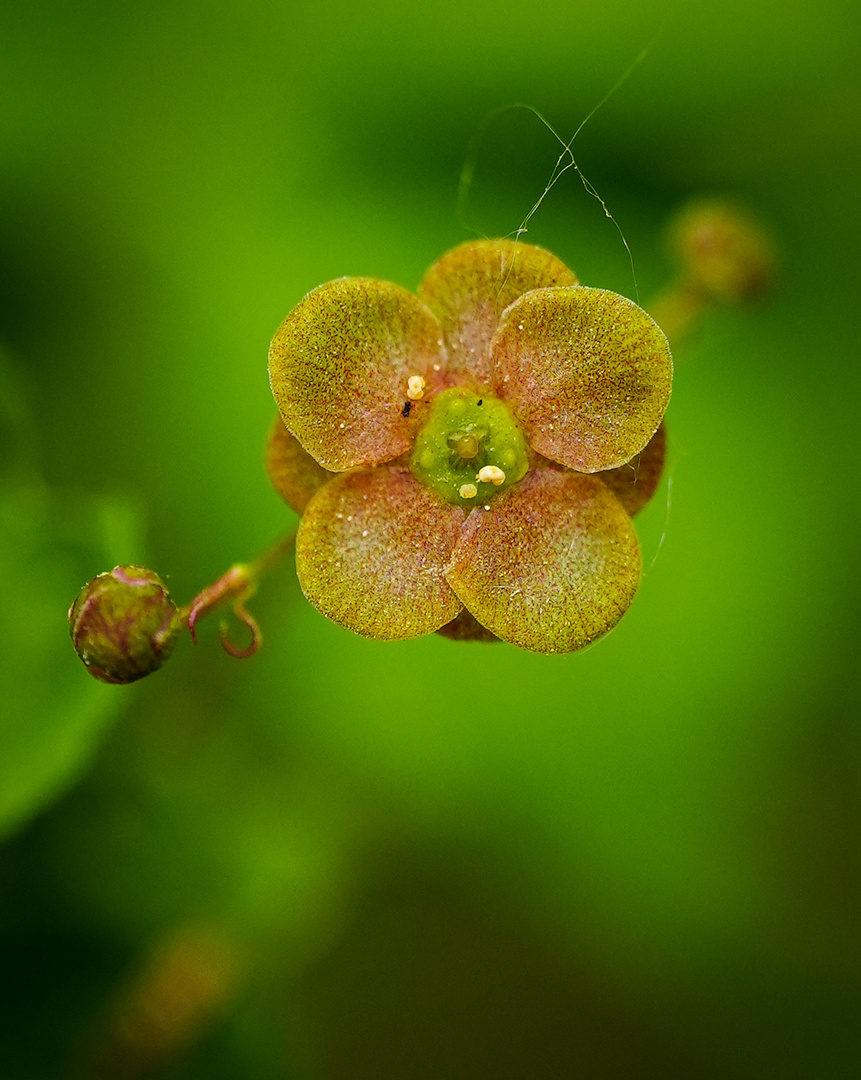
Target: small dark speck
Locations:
point(481, 401)
point(405, 411)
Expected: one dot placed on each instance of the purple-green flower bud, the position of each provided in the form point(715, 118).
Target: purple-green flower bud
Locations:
point(124, 624)
point(724, 251)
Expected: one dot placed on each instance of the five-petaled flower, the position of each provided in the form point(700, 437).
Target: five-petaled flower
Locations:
point(467, 459)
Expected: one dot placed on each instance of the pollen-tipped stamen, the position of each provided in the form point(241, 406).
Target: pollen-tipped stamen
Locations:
point(416, 387)
point(491, 474)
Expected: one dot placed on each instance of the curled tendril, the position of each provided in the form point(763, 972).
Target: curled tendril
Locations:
point(238, 584)
point(244, 616)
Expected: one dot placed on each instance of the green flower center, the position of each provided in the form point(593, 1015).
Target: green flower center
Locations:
point(470, 449)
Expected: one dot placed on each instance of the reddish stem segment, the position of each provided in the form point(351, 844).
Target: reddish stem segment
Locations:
point(249, 620)
point(236, 586)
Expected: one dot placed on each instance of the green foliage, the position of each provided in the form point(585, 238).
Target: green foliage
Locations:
point(52, 720)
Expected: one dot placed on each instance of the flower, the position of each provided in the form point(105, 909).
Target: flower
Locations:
point(467, 459)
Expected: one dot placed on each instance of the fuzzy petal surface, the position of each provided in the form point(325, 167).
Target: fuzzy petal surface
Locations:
point(469, 288)
point(587, 373)
point(339, 367)
point(636, 482)
point(552, 565)
point(295, 475)
point(371, 552)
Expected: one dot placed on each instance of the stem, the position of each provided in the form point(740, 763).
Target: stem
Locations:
point(272, 555)
point(236, 586)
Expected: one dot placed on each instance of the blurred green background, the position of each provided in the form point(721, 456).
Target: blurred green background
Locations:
point(424, 860)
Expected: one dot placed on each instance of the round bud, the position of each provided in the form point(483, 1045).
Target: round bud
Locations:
point(124, 624)
point(723, 250)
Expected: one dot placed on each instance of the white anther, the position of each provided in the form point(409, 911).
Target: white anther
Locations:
point(491, 474)
point(468, 491)
point(415, 387)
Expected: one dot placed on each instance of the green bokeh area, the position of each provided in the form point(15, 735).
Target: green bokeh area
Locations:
point(426, 859)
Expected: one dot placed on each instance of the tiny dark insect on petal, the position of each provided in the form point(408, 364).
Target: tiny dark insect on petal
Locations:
point(405, 411)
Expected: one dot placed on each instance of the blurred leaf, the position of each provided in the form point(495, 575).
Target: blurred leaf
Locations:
point(49, 545)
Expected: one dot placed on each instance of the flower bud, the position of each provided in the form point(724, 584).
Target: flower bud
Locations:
point(724, 251)
point(124, 624)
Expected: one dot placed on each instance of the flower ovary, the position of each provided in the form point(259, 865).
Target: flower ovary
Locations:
point(470, 448)
point(466, 444)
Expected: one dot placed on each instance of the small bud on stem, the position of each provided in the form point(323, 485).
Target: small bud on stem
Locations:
point(124, 624)
point(724, 256)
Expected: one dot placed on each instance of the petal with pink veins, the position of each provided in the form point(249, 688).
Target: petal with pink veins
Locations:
point(469, 288)
point(340, 367)
point(371, 552)
point(587, 373)
point(295, 475)
point(553, 563)
point(636, 482)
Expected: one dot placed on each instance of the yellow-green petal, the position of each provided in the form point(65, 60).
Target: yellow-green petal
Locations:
point(340, 367)
point(635, 483)
point(295, 475)
point(371, 552)
point(587, 373)
point(551, 566)
point(469, 288)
